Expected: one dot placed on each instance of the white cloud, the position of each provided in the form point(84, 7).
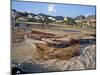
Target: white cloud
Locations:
point(51, 8)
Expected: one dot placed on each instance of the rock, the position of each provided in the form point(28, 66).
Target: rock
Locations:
point(85, 61)
point(47, 52)
point(89, 57)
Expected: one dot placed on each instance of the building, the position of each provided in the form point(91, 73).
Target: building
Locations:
point(65, 18)
point(88, 21)
point(22, 19)
point(38, 17)
point(91, 20)
point(30, 16)
point(52, 18)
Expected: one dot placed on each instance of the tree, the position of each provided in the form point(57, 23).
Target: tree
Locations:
point(44, 20)
point(69, 21)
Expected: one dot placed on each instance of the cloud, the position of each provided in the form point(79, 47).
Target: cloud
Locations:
point(51, 8)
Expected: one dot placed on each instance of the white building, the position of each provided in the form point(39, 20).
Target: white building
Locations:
point(30, 16)
point(51, 18)
point(38, 17)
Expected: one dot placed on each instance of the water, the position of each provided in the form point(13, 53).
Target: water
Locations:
point(85, 43)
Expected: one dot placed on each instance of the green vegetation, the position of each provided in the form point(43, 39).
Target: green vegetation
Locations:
point(70, 21)
point(31, 20)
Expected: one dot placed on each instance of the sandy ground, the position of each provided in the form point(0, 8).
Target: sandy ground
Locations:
point(23, 51)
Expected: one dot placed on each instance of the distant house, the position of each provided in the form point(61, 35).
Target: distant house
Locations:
point(39, 17)
point(22, 19)
point(30, 16)
point(52, 18)
point(79, 19)
point(88, 21)
point(91, 20)
point(79, 22)
point(65, 18)
point(59, 21)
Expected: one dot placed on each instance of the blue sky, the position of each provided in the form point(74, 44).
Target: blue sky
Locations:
point(54, 9)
